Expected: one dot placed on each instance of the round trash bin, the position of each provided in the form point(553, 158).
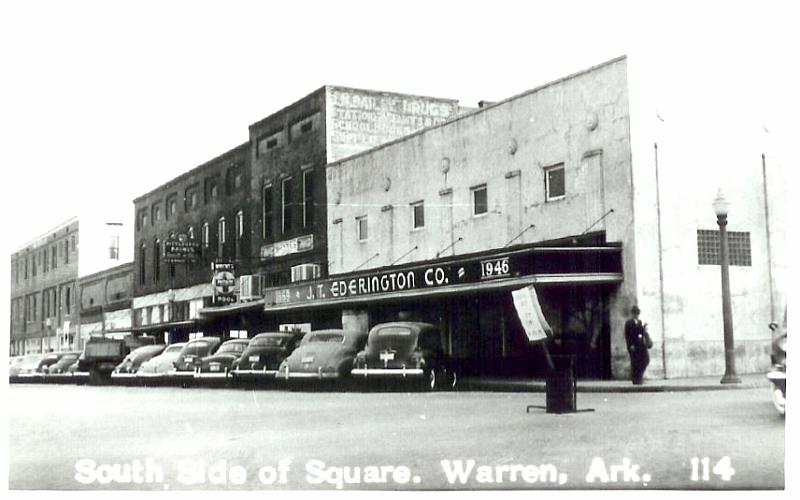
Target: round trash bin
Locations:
point(560, 385)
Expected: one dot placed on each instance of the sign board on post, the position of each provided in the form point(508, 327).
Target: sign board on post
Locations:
point(530, 314)
point(288, 247)
point(223, 283)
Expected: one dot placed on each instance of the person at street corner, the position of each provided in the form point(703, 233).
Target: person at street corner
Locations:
point(638, 341)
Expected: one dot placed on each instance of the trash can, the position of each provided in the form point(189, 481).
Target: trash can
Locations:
point(560, 385)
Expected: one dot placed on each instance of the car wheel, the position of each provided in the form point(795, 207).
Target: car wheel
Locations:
point(452, 380)
point(95, 378)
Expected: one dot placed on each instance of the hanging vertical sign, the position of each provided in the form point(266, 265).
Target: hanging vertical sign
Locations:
point(530, 314)
point(223, 283)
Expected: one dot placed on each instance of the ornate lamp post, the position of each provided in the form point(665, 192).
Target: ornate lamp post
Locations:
point(721, 207)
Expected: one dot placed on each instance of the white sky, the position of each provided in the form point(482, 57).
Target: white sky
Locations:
point(103, 101)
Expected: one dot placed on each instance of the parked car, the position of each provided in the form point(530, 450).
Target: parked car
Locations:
point(323, 354)
point(62, 364)
point(50, 359)
point(406, 350)
point(102, 354)
point(218, 365)
point(25, 366)
point(130, 365)
point(264, 355)
point(159, 366)
point(188, 360)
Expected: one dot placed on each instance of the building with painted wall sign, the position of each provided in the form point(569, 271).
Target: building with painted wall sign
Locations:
point(260, 207)
point(46, 277)
point(573, 187)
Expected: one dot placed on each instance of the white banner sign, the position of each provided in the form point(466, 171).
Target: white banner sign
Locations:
point(530, 314)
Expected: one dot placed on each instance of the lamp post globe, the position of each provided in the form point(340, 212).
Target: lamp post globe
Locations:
point(721, 208)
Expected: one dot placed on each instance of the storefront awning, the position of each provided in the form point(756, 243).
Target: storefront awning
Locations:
point(162, 326)
point(487, 271)
point(256, 305)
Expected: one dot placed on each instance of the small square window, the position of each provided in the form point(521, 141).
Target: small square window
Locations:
point(480, 200)
point(361, 227)
point(554, 184)
point(418, 215)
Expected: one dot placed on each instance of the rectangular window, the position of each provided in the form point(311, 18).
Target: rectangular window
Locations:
point(480, 201)
point(172, 206)
point(308, 198)
point(54, 256)
point(362, 228)
point(554, 185)
point(268, 142)
point(45, 260)
point(286, 205)
point(304, 125)
point(190, 198)
point(418, 215)
point(113, 247)
point(266, 208)
point(239, 232)
point(739, 253)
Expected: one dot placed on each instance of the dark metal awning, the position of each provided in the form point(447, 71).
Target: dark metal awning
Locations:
point(256, 305)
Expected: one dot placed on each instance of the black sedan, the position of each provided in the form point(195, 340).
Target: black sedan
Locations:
point(218, 365)
point(188, 361)
point(405, 350)
point(130, 365)
point(264, 355)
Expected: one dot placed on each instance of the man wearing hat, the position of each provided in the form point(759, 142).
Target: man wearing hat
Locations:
point(639, 342)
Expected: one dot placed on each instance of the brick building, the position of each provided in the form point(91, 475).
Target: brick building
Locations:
point(260, 207)
point(45, 310)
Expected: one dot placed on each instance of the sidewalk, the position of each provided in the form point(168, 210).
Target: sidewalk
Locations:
point(749, 381)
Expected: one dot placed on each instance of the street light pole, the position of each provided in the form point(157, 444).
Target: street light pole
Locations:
point(721, 206)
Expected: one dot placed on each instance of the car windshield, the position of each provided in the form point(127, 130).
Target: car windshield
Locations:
point(174, 348)
point(233, 347)
point(326, 337)
point(69, 357)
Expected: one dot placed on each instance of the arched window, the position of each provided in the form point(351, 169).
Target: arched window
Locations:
point(239, 232)
point(206, 235)
point(142, 263)
point(156, 260)
point(221, 236)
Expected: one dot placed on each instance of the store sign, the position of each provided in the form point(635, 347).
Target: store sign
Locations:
point(386, 282)
point(223, 283)
point(181, 249)
point(288, 247)
point(475, 270)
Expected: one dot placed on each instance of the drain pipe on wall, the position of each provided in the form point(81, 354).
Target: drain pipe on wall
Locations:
point(660, 266)
point(769, 237)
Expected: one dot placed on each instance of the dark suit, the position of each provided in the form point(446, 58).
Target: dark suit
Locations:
point(637, 348)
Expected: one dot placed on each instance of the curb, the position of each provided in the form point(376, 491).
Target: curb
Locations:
point(536, 386)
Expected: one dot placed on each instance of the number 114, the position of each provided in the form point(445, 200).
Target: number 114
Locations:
point(700, 468)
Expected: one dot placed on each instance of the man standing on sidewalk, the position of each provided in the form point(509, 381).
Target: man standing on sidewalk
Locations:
point(639, 342)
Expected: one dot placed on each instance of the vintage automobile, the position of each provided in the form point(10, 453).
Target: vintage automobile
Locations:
point(158, 366)
point(218, 365)
point(323, 354)
point(65, 359)
point(264, 355)
point(406, 350)
point(130, 365)
point(188, 360)
point(27, 368)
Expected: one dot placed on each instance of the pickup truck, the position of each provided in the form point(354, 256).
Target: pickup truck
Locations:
point(102, 354)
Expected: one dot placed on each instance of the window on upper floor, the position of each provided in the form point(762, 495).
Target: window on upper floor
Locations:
point(480, 200)
point(418, 215)
point(211, 189)
point(308, 198)
point(172, 206)
point(266, 212)
point(54, 256)
point(156, 213)
point(268, 142)
point(156, 260)
point(205, 235)
point(554, 182)
point(113, 247)
point(190, 198)
point(221, 236)
point(45, 260)
point(708, 251)
point(239, 233)
point(233, 179)
point(304, 125)
point(362, 228)
point(286, 205)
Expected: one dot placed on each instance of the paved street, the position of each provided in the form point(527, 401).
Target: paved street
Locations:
point(332, 439)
